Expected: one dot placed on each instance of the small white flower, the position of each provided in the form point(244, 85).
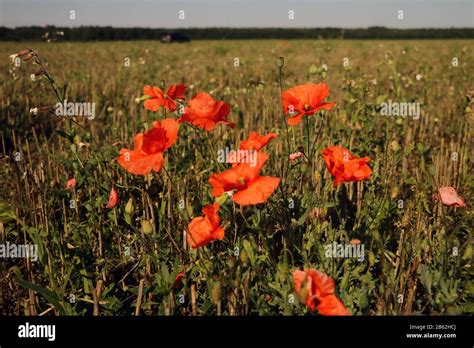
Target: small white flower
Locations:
point(419, 77)
point(325, 67)
point(34, 111)
point(137, 100)
point(33, 77)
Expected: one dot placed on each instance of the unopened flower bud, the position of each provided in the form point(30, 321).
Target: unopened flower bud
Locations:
point(130, 207)
point(147, 228)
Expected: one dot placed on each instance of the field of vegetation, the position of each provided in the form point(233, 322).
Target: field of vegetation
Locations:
point(113, 242)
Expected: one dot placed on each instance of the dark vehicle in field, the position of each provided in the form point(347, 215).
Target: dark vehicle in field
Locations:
point(174, 37)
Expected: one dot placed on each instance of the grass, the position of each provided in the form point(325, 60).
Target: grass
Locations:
point(124, 261)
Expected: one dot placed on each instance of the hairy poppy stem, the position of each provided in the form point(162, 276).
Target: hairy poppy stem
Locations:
point(280, 79)
point(307, 134)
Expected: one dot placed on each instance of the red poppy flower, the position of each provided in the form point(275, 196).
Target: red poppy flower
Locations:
point(306, 100)
point(316, 290)
point(448, 196)
point(71, 183)
point(245, 179)
point(204, 229)
point(205, 112)
point(147, 154)
point(344, 166)
point(113, 198)
point(256, 141)
point(159, 99)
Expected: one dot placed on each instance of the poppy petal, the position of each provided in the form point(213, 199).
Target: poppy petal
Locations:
point(257, 191)
point(171, 127)
point(140, 163)
point(450, 197)
point(176, 91)
point(153, 104)
point(331, 305)
point(293, 121)
point(199, 232)
point(113, 199)
point(256, 141)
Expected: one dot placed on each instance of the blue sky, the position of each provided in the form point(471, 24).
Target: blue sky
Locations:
point(239, 13)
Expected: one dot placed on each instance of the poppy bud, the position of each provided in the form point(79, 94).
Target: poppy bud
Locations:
point(394, 145)
point(281, 62)
point(303, 295)
point(142, 98)
point(244, 257)
point(113, 198)
point(129, 207)
point(313, 69)
point(147, 228)
point(395, 192)
point(371, 258)
point(216, 292)
point(71, 183)
point(221, 199)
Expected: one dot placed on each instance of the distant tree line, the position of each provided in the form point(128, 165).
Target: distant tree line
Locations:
point(96, 33)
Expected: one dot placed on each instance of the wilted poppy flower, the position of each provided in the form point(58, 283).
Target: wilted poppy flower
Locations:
point(113, 198)
point(71, 183)
point(147, 154)
point(316, 290)
point(294, 156)
point(24, 55)
point(245, 179)
point(306, 100)
point(159, 99)
point(344, 166)
point(205, 112)
point(449, 196)
point(204, 229)
point(256, 141)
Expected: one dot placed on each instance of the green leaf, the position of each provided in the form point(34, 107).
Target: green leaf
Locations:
point(63, 307)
